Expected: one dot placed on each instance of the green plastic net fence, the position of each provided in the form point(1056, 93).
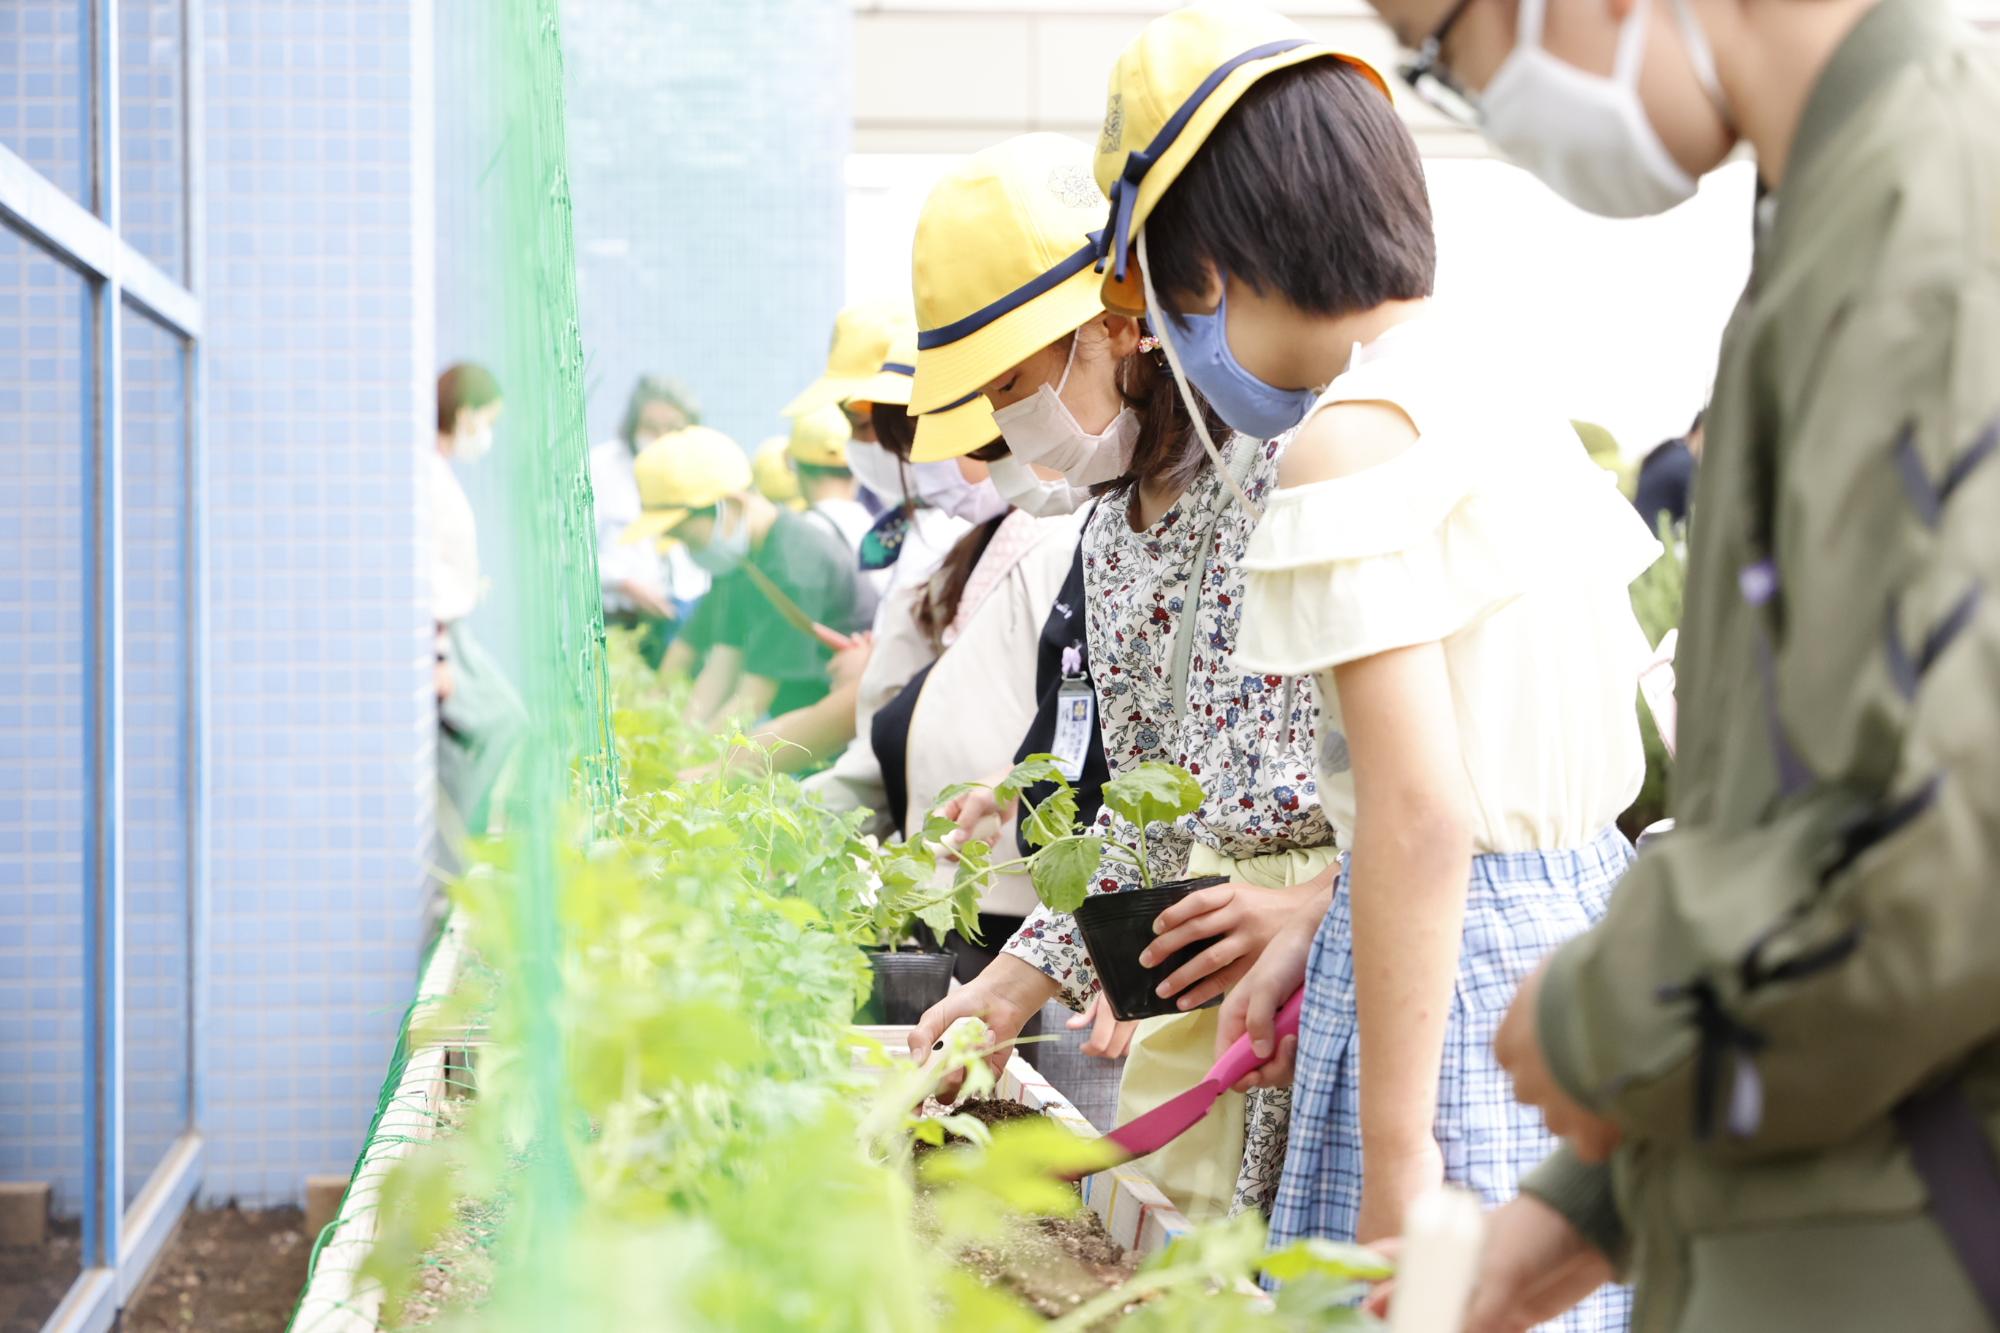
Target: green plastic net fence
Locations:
point(629, 1095)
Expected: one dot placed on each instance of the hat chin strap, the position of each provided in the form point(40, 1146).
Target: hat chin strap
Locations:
point(1195, 414)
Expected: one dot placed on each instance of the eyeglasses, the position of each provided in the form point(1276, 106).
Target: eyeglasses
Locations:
point(1428, 77)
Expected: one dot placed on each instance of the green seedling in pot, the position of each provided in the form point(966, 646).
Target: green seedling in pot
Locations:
point(1067, 856)
point(907, 891)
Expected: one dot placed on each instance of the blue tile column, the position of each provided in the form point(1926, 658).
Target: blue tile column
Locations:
point(319, 370)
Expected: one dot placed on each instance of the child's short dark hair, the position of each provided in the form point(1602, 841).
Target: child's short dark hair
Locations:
point(1311, 187)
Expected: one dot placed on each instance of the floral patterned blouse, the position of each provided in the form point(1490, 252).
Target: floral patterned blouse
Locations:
point(1164, 605)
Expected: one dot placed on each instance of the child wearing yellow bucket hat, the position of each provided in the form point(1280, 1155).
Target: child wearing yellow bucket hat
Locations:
point(1445, 563)
point(1009, 309)
point(749, 657)
point(771, 469)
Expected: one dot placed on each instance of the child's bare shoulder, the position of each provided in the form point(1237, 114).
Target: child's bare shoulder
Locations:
point(1344, 438)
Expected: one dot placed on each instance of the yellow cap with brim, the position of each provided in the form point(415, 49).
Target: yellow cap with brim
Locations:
point(862, 337)
point(1169, 90)
point(953, 432)
point(1002, 262)
point(771, 469)
point(892, 379)
point(819, 438)
point(693, 468)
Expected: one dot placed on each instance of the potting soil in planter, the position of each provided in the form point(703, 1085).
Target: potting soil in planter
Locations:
point(1050, 1264)
point(456, 1273)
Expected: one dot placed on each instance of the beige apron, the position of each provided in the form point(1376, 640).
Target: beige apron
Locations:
point(1199, 1170)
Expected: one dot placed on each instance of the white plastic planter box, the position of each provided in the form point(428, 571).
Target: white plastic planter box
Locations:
point(1135, 1211)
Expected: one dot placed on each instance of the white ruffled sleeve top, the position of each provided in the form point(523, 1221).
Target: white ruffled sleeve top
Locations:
point(1495, 535)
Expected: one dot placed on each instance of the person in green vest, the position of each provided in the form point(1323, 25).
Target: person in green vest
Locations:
point(1776, 1061)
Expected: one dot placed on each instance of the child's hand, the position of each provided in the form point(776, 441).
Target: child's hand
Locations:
point(1238, 920)
point(1253, 1006)
point(1109, 1037)
point(1518, 1047)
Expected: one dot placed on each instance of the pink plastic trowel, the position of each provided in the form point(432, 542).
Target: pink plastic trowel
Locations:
point(1168, 1121)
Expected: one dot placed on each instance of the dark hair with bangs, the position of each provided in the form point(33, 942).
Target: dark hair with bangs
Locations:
point(1310, 187)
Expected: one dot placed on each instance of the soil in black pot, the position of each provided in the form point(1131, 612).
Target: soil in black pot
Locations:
point(1117, 927)
point(907, 982)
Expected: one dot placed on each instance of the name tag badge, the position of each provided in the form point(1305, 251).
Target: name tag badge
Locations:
point(1076, 719)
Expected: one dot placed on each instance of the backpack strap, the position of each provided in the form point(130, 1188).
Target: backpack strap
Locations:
point(1956, 1161)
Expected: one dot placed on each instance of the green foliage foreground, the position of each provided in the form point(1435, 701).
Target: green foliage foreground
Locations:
point(726, 1153)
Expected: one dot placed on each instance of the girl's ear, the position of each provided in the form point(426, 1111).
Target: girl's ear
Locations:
point(1122, 333)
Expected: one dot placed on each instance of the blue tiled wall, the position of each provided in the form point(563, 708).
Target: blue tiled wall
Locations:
point(44, 318)
point(322, 722)
point(151, 161)
point(43, 49)
point(707, 149)
point(157, 853)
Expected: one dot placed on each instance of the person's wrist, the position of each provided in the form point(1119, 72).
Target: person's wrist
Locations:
point(1020, 983)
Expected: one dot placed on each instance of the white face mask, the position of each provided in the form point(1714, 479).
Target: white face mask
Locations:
point(877, 469)
point(1587, 136)
point(469, 446)
point(1041, 430)
point(942, 486)
point(1020, 487)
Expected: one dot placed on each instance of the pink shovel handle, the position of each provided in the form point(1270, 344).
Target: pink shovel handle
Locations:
point(1239, 1059)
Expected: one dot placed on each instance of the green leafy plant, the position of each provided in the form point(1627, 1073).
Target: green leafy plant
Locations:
point(1067, 855)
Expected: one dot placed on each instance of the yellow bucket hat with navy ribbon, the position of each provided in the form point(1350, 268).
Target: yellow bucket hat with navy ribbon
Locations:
point(1169, 90)
point(862, 337)
point(1001, 267)
point(947, 433)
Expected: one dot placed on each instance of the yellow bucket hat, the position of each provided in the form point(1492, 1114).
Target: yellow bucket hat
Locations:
point(819, 438)
point(693, 468)
point(1168, 91)
point(955, 431)
point(892, 379)
point(862, 337)
point(771, 469)
point(1001, 264)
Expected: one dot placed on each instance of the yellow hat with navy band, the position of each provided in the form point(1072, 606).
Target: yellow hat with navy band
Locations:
point(1169, 90)
point(1001, 265)
point(947, 433)
point(696, 467)
point(954, 431)
point(862, 337)
point(819, 438)
point(892, 379)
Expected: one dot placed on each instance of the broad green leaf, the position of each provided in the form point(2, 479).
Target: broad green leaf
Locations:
point(1035, 768)
point(1054, 818)
point(1326, 1258)
point(970, 1304)
point(1153, 793)
point(1062, 872)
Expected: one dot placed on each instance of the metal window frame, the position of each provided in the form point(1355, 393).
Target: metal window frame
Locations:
point(120, 1244)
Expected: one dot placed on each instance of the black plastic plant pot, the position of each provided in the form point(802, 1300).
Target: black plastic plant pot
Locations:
point(1117, 927)
point(906, 983)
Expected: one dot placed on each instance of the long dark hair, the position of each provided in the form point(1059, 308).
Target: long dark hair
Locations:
point(1167, 455)
point(938, 606)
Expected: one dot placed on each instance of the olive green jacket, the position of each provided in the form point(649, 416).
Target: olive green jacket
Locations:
point(1820, 936)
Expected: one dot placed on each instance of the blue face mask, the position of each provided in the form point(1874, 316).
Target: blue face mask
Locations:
point(1240, 398)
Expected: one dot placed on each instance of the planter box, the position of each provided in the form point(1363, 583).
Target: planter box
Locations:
point(336, 1298)
point(1135, 1211)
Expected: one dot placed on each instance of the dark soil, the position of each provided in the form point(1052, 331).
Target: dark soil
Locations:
point(986, 1110)
point(225, 1271)
point(35, 1278)
point(1050, 1264)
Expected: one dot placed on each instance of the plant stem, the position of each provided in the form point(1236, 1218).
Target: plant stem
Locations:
point(1134, 1289)
point(1145, 871)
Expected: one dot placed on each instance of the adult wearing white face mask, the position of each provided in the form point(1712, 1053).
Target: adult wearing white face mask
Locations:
point(479, 712)
point(1784, 1038)
point(749, 658)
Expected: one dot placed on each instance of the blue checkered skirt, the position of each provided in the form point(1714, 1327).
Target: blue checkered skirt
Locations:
point(1520, 906)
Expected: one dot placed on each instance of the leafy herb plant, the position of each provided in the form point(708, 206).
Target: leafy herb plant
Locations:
point(1067, 856)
